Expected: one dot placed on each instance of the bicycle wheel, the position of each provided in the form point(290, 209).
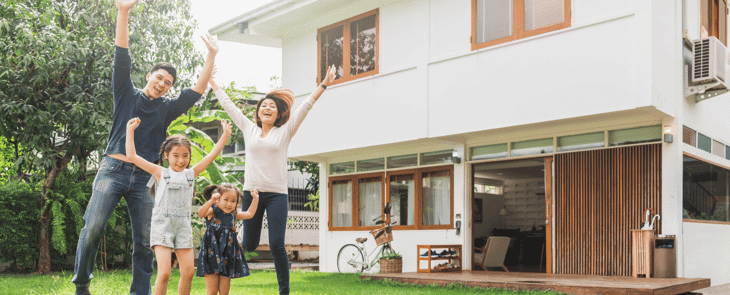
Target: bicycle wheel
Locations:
point(350, 259)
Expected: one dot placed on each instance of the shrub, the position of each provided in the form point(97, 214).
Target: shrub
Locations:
point(19, 224)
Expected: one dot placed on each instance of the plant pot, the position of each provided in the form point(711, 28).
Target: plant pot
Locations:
point(394, 265)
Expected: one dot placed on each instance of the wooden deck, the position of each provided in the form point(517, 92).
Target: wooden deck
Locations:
point(571, 284)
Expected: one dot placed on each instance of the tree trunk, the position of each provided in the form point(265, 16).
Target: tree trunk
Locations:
point(44, 263)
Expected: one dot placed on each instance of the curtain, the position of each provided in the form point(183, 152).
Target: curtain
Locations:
point(436, 198)
point(342, 204)
point(370, 199)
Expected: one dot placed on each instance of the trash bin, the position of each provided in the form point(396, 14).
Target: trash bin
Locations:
point(665, 257)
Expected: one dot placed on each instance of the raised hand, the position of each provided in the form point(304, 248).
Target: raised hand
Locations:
point(209, 42)
point(215, 197)
point(133, 123)
point(125, 4)
point(227, 127)
point(255, 194)
point(330, 78)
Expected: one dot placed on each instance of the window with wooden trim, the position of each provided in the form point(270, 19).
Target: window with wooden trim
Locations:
point(422, 198)
point(713, 14)
point(351, 46)
point(356, 201)
point(500, 21)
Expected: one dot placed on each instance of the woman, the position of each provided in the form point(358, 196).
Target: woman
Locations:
point(267, 143)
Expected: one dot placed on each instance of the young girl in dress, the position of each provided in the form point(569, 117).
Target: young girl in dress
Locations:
point(221, 257)
point(171, 226)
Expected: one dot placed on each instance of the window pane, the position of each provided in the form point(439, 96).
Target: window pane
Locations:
point(440, 157)
point(543, 13)
point(705, 190)
point(369, 165)
point(705, 15)
point(332, 48)
point(342, 203)
point(718, 149)
point(229, 149)
point(339, 168)
point(371, 201)
point(362, 45)
point(727, 152)
point(436, 199)
point(402, 198)
point(494, 20)
point(581, 141)
point(403, 161)
point(489, 151)
point(635, 135)
point(689, 136)
point(704, 142)
point(241, 147)
point(532, 147)
point(212, 133)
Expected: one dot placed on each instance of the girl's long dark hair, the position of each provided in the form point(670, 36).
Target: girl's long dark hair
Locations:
point(167, 145)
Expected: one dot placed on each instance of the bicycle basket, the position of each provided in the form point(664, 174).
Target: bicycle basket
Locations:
point(383, 235)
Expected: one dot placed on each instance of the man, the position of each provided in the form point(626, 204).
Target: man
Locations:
point(117, 178)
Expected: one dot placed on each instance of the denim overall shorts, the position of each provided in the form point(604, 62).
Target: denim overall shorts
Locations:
point(171, 225)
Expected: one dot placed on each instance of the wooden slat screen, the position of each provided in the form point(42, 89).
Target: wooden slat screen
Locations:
point(600, 196)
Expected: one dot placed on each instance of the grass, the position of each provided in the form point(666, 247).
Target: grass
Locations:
point(260, 282)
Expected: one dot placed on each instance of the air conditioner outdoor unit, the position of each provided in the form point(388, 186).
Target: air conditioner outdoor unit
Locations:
point(710, 68)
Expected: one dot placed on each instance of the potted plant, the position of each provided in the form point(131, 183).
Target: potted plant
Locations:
point(391, 262)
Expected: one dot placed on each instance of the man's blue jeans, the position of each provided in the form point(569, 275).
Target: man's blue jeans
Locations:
point(277, 211)
point(115, 180)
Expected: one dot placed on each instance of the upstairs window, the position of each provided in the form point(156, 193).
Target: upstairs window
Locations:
point(351, 46)
point(714, 19)
point(500, 21)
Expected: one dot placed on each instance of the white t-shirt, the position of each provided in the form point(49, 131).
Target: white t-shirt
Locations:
point(266, 158)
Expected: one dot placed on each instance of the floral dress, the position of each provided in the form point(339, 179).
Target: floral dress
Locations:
point(220, 252)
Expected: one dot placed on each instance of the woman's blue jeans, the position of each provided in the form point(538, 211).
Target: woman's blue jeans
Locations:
point(115, 180)
point(277, 212)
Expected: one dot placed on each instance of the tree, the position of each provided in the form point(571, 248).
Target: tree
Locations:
point(55, 77)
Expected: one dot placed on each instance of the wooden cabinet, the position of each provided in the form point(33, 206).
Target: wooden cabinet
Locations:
point(438, 258)
point(642, 252)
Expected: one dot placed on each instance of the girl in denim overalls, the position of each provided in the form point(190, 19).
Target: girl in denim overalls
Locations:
point(171, 227)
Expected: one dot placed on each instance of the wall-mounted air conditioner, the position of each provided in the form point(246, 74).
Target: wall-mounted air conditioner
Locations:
point(710, 72)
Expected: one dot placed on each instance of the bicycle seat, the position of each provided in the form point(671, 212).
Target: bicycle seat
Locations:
point(361, 240)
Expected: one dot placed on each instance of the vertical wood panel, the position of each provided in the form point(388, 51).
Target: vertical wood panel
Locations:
point(600, 196)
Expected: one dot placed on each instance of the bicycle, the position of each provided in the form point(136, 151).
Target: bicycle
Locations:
point(351, 258)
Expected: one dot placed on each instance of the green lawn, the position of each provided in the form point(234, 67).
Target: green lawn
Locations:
point(260, 282)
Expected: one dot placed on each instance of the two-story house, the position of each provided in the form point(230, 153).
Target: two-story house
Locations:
point(558, 123)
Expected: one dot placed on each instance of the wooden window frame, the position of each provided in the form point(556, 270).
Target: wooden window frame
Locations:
point(355, 200)
point(346, 47)
point(418, 187)
point(518, 24)
point(713, 15)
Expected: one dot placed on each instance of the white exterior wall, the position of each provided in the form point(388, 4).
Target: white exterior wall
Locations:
point(705, 252)
point(618, 65)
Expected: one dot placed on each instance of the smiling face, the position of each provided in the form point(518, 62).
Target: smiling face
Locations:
point(267, 112)
point(158, 83)
point(178, 157)
point(228, 201)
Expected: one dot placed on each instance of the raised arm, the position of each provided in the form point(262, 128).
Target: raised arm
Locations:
point(132, 152)
point(301, 112)
point(205, 75)
point(227, 127)
point(123, 22)
point(251, 209)
point(241, 121)
point(328, 80)
point(207, 209)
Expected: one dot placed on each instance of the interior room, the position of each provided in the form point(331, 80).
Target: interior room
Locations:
point(509, 201)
